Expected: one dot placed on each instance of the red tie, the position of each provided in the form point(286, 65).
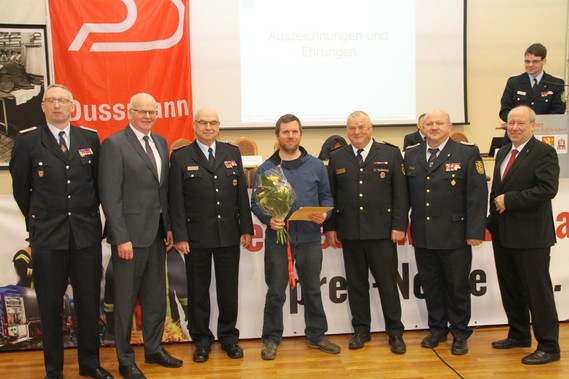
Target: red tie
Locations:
point(510, 163)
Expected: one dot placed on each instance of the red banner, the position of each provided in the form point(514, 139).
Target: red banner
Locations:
point(105, 51)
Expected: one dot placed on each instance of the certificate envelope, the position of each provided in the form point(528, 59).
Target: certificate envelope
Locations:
point(302, 213)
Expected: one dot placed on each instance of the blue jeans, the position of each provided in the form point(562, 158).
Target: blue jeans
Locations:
point(308, 262)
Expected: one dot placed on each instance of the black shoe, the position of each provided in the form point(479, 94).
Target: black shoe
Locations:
point(508, 343)
point(433, 339)
point(397, 345)
point(201, 354)
point(233, 350)
point(163, 359)
point(131, 372)
point(358, 340)
point(459, 346)
point(539, 357)
point(97, 373)
point(60, 376)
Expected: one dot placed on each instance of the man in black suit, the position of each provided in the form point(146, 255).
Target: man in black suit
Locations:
point(133, 182)
point(211, 217)
point(369, 218)
point(415, 137)
point(522, 228)
point(54, 177)
point(534, 88)
point(448, 195)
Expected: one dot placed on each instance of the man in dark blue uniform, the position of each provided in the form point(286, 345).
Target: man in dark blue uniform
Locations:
point(448, 195)
point(369, 218)
point(534, 88)
point(416, 137)
point(54, 175)
point(211, 217)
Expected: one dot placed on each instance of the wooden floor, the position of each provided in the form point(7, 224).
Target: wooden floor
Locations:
point(295, 360)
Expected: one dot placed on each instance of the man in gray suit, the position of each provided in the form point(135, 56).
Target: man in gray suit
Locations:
point(133, 184)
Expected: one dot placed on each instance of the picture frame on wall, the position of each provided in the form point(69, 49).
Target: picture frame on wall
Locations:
point(24, 75)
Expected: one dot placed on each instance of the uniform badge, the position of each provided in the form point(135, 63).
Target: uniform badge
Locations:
point(453, 182)
point(234, 182)
point(382, 175)
point(340, 171)
point(403, 168)
point(40, 172)
point(192, 168)
point(230, 164)
point(479, 167)
point(452, 166)
point(85, 152)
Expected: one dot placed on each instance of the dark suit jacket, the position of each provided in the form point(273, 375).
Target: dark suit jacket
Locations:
point(529, 186)
point(412, 139)
point(448, 200)
point(370, 203)
point(518, 91)
point(131, 195)
point(209, 207)
point(51, 205)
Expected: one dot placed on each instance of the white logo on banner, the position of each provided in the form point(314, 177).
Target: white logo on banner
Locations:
point(129, 21)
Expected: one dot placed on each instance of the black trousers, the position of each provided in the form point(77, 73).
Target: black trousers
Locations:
point(525, 286)
point(379, 257)
point(444, 277)
point(198, 270)
point(53, 270)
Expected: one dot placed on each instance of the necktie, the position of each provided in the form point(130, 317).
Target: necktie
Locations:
point(210, 157)
point(433, 156)
point(150, 154)
point(62, 143)
point(510, 163)
point(535, 87)
point(360, 157)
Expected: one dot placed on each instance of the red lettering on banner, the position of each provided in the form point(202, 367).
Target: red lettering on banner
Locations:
point(562, 230)
point(258, 240)
point(105, 51)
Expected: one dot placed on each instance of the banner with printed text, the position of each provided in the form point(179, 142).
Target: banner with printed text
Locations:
point(105, 51)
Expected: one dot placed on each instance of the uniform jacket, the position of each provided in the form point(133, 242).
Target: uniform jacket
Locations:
point(518, 91)
point(369, 201)
point(57, 194)
point(448, 200)
point(530, 184)
point(412, 139)
point(209, 207)
point(310, 183)
point(132, 197)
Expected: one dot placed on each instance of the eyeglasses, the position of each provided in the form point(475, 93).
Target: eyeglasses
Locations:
point(55, 100)
point(206, 123)
point(534, 61)
point(144, 112)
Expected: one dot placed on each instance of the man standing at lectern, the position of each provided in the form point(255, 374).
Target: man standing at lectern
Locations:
point(538, 90)
point(526, 178)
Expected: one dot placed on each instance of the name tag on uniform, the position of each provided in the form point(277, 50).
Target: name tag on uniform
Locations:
point(340, 171)
point(523, 93)
point(192, 168)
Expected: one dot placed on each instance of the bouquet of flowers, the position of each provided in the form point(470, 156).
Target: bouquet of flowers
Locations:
point(274, 195)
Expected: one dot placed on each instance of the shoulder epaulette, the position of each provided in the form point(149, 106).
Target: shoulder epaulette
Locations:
point(467, 143)
point(389, 144)
point(89, 129)
point(412, 146)
point(179, 147)
point(28, 130)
